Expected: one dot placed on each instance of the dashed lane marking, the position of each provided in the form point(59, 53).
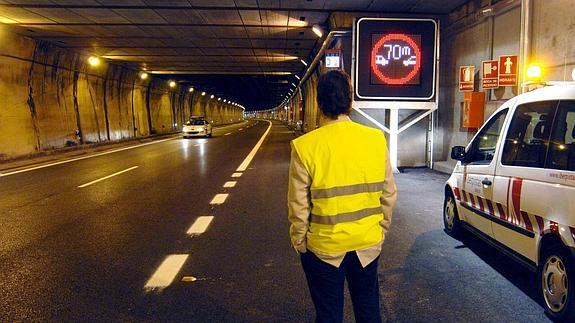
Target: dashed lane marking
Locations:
point(80, 158)
point(227, 134)
point(236, 175)
point(230, 184)
point(200, 225)
point(244, 165)
point(219, 199)
point(109, 176)
point(165, 274)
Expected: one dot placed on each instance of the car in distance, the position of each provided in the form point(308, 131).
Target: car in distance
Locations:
point(197, 127)
point(514, 187)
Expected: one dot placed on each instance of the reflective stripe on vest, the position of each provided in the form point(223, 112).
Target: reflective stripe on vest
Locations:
point(346, 162)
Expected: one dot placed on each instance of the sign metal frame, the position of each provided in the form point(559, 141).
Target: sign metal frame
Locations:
point(356, 35)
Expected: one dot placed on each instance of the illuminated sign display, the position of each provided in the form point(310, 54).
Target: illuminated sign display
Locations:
point(333, 58)
point(395, 59)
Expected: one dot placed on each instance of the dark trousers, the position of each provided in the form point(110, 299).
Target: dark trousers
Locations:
point(326, 285)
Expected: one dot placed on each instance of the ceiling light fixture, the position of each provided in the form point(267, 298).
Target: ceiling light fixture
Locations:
point(143, 75)
point(203, 93)
point(94, 61)
point(297, 77)
point(303, 62)
point(172, 83)
point(211, 96)
point(191, 89)
point(317, 30)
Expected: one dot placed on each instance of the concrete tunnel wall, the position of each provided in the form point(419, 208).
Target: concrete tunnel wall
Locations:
point(552, 45)
point(47, 94)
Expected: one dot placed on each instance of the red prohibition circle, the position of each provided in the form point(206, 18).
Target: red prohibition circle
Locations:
point(389, 80)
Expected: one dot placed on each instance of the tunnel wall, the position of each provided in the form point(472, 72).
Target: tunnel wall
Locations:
point(552, 45)
point(51, 98)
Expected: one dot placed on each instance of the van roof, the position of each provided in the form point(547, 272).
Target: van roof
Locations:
point(553, 91)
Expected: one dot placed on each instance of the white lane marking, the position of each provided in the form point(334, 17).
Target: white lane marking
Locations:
point(200, 225)
point(244, 165)
point(106, 177)
point(236, 174)
point(227, 134)
point(219, 199)
point(230, 184)
point(165, 274)
point(241, 129)
point(80, 158)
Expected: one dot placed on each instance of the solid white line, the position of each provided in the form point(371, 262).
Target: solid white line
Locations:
point(230, 184)
point(200, 225)
point(104, 178)
point(219, 199)
point(80, 158)
point(244, 165)
point(165, 274)
point(236, 174)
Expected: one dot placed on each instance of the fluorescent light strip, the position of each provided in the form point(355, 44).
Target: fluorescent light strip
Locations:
point(165, 274)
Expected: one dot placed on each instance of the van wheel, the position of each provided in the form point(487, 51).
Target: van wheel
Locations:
point(556, 287)
point(451, 223)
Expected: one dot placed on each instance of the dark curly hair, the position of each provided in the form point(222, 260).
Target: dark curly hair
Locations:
point(334, 93)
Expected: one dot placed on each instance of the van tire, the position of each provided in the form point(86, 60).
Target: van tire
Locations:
point(451, 222)
point(555, 262)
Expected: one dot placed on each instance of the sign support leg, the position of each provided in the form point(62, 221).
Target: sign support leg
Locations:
point(393, 136)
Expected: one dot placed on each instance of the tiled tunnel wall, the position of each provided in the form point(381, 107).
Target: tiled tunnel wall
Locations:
point(52, 98)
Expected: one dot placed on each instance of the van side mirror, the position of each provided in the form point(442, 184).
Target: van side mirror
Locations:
point(458, 153)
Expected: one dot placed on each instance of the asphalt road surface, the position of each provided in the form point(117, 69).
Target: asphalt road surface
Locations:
point(142, 235)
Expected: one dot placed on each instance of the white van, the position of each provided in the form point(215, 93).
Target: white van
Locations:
point(514, 186)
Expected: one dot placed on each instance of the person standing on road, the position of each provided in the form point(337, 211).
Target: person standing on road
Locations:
point(340, 198)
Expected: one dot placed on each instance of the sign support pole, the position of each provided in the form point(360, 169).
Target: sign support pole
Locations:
point(393, 138)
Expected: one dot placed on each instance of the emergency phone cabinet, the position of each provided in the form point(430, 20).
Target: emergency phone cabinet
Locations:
point(472, 110)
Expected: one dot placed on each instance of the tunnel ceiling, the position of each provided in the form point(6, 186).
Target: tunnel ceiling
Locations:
point(245, 50)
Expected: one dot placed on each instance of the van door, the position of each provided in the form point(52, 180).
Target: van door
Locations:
point(522, 185)
point(478, 173)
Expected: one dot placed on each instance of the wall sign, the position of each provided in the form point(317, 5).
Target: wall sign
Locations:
point(490, 72)
point(395, 59)
point(508, 70)
point(466, 78)
point(333, 58)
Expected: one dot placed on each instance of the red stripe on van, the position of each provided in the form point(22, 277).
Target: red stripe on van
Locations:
point(501, 210)
point(457, 194)
point(540, 224)
point(471, 199)
point(480, 202)
point(516, 196)
point(490, 207)
point(528, 224)
point(464, 196)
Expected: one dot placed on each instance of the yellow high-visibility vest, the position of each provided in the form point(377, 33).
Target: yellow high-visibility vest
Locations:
point(346, 162)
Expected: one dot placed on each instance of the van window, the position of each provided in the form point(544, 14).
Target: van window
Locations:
point(562, 146)
point(482, 149)
point(528, 135)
